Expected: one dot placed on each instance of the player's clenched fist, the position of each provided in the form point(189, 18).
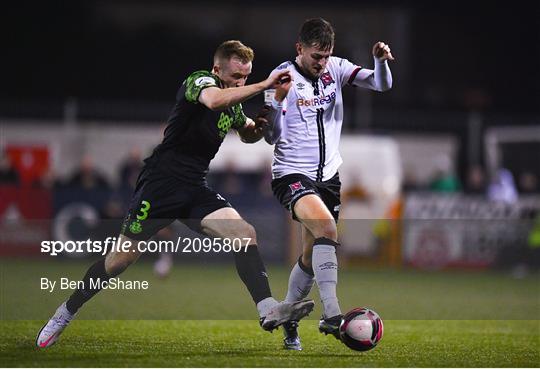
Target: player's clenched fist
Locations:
point(382, 51)
point(277, 77)
point(282, 89)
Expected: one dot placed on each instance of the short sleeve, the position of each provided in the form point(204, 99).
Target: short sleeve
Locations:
point(196, 82)
point(347, 71)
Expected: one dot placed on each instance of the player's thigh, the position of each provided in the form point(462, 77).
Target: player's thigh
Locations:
point(291, 188)
point(156, 203)
point(330, 192)
point(119, 259)
point(209, 212)
point(227, 223)
point(312, 212)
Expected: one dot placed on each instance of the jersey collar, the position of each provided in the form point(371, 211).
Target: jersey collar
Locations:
point(220, 82)
point(299, 70)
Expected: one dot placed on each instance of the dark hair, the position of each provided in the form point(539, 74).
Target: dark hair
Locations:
point(317, 32)
point(234, 48)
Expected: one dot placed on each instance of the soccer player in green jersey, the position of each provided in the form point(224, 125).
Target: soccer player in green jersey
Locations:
point(172, 185)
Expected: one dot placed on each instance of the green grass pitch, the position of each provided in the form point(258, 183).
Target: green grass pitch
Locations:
point(202, 317)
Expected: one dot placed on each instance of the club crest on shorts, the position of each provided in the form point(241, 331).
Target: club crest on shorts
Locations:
point(296, 186)
point(135, 227)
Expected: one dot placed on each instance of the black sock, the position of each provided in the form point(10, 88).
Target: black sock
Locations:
point(305, 268)
point(251, 270)
point(80, 296)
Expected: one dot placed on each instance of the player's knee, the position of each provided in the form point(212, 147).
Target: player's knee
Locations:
point(116, 263)
point(245, 231)
point(326, 229)
point(240, 229)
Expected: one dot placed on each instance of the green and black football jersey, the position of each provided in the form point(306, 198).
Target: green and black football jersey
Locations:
point(194, 132)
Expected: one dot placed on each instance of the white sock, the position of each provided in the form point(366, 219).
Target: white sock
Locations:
point(264, 306)
point(325, 267)
point(300, 283)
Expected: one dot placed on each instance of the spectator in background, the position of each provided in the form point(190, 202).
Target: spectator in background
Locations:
point(522, 259)
point(263, 176)
point(8, 174)
point(502, 188)
point(410, 180)
point(355, 192)
point(111, 215)
point(87, 176)
point(528, 182)
point(476, 181)
point(47, 181)
point(227, 181)
point(164, 263)
point(533, 243)
point(444, 180)
point(130, 169)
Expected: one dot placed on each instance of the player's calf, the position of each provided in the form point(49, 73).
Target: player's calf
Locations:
point(325, 268)
point(118, 261)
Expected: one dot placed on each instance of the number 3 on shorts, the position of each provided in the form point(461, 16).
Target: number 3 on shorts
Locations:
point(144, 210)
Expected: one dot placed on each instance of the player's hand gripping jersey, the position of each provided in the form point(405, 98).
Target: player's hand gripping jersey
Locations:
point(307, 133)
point(194, 132)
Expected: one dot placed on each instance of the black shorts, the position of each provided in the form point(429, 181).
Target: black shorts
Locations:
point(158, 200)
point(292, 187)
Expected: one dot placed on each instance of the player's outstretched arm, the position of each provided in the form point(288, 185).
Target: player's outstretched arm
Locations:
point(383, 75)
point(218, 99)
point(379, 79)
point(273, 114)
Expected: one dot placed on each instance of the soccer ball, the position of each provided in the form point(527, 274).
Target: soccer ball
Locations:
point(361, 329)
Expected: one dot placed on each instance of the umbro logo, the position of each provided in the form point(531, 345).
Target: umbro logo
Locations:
point(328, 265)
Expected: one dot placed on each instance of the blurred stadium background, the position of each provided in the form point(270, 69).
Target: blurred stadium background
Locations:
point(441, 173)
point(88, 86)
point(441, 192)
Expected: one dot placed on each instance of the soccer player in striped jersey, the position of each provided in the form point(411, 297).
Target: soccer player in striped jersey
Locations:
point(304, 123)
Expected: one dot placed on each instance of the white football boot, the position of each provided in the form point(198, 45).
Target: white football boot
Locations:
point(163, 265)
point(285, 311)
point(49, 333)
